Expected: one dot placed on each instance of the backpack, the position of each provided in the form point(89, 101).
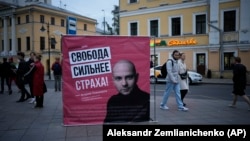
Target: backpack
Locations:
point(164, 71)
point(57, 69)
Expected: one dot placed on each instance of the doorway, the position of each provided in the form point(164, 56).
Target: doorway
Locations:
point(201, 62)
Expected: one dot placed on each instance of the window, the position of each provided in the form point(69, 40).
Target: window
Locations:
point(228, 60)
point(41, 18)
point(18, 20)
point(176, 26)
point(132, 1)
point(154, 28)
point(27, 43)
point(52, 21)
point(229, 21)
point(42, 43)
point(19, 44)
point(85, 27)
point(2, 45)
point(200, 24)
point(53, 43)
point(133, 28)
point(10, 22)
point(62, 22)
point(10, 45)
point(27, 18)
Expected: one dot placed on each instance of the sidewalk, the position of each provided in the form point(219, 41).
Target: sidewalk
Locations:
point(20, 122)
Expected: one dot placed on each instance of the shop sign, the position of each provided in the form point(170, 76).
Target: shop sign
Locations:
point(180, 42)
point(174, 42)
point(157, 42)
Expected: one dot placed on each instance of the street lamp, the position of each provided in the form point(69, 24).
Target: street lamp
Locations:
point(49, 43)
point(104, 20)
point(221, 47)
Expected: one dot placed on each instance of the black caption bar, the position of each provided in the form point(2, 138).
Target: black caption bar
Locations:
point(225, 132)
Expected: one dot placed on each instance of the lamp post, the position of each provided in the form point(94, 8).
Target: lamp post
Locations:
point(104, 23)
point(43, 29)
point(221, 56)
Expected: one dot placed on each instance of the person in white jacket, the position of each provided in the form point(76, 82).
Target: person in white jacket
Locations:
point(184, 84)
point(172, 83)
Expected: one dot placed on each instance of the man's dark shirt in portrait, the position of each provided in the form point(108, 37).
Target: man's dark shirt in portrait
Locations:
point(133, 107)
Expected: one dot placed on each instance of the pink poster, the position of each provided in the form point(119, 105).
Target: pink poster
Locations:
point(105, 79)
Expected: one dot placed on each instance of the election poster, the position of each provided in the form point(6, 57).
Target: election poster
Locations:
point(105, 79)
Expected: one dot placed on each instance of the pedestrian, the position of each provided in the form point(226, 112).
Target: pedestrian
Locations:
point(57, 72)
point(130, 104)
point(183, 79)
point(13, 74)
point(37, 70)
point(239, 82)
point(30, 76)
point(172, 82)
point(151, 64)
point(21, 70)
point(6, 70)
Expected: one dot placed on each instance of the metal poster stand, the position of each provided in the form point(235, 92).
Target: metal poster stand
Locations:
point(154, 92)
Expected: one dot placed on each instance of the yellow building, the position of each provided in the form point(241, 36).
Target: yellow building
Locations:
point(210, 32)
point(38, 27)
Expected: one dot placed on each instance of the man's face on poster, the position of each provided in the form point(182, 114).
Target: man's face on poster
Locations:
point(124, 78)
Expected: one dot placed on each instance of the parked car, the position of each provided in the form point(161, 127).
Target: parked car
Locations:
point(193, 77)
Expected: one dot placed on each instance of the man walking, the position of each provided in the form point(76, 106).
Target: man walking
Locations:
point(172, 82)
point(239, 82)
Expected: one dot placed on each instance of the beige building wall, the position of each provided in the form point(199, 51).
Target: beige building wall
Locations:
point(145, 10)
point(32, 30)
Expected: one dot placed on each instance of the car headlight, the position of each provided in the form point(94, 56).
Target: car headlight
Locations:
point(195, 75)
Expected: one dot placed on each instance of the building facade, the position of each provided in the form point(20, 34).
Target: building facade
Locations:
point(38, 26)
point(210, 32)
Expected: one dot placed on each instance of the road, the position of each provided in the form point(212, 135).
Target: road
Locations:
point(202, 91)
point(196, 91)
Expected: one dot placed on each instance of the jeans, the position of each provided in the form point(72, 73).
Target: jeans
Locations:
point(169, 87)
point(57, 82)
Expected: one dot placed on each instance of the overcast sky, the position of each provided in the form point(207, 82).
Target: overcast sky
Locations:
point(90, 8)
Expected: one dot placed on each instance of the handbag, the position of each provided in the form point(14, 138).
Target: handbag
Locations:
point(184, 75)
point(44, 87)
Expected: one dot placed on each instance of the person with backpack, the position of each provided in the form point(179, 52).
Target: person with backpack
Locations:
point(57, 72)
point(172, 82)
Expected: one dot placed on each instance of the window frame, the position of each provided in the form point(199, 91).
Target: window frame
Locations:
point(149, 26)
point(42, 43)
point(132, 1)
point(62, 22)
point(170, 25)
point(42, 19)
point(130, 28)
point(28, 43)
point(236, 19)
point(52, 20)
point(27, 19)
point(18, 20)
point(85, 27)
point(195, 23)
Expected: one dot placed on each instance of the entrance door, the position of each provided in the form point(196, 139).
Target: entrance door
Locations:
point(201, 61)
